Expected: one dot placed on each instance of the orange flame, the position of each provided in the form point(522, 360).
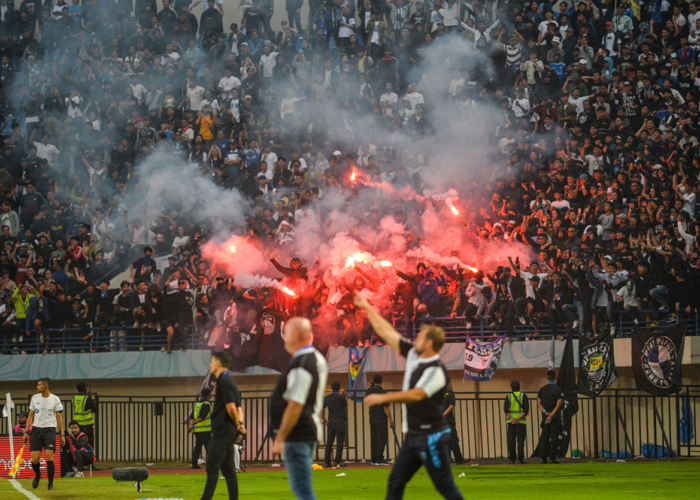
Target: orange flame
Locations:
point(385, 263)
point(472, 269)
point(233, 248)
point(288, 291)
point(454, 210)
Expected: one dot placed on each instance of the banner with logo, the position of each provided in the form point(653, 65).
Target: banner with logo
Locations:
point(481, 359)
point(656, 359)
point(596, 361)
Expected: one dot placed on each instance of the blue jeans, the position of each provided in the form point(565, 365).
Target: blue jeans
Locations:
point(298, 459)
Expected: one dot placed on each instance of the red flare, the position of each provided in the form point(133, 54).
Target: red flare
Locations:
point(385, 263)
point(233, 248)
point(288, 291)
point(454, 210)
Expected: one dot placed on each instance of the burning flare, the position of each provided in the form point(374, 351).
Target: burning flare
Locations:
point(288, 291)
point(454, 210)
point(385, 263)
point(233, 248)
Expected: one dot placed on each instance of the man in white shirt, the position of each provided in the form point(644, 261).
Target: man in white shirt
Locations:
point(44, 417)
point(413, 97)
point(218, 4)
point(521, 105)
point(578, 101)
point(228, 83)
point(46, 150)
point(138, 89)
point(170, 56)
point(195, 96)
point(388, 101)
point(268, 61)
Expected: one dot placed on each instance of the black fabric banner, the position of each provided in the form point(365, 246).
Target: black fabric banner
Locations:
point(656, 359)
point(596, 365)
point(566, 381)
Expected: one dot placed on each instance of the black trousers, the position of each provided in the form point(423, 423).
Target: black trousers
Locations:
point(416, 451)
point(379, 437)
point(516, 432)
point(201, 439)
point(220, 457)
point(549, 439)
point(454, 444)
point(336, 430)
point(83, 458)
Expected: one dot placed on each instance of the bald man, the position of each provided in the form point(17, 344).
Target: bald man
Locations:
point(296, 405)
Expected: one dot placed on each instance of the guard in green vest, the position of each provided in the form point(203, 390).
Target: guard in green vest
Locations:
point(200, 426)
point(516, 408)
point(84, 405)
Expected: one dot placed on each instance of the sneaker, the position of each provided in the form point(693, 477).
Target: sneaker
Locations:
point(341, 464)
point(522, 320)
point(70, 474)
point(35, 483)
point(328, 466)
point(140, 348)
point(663, 308)
point(79, 474)
point(672, 320)
point(162, 349)
point(50, 488)
point(201, 462)
point(574, 325)
point(511, 462)
point(469, 325)
point(88, 336)
point(14, 339)
point(612, 331)
point(655, 324)
point(554, 461)
point(41, 338)
point(21, 339)
point(462, 461)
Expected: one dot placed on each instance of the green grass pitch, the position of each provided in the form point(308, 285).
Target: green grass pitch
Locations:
point(677, 480)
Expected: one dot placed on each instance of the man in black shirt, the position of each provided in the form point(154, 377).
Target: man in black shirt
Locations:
point(379, 416)
point(427, 432)
point(337, 423)
point(550, 399)
point(449, 405)
point(296, 405)
point(226, 424)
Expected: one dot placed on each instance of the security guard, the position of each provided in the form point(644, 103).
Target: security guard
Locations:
point(449, 413)
point(200, 426)
point(516, 408)
point(83, 407)
point(337, 424)
point(550, 401)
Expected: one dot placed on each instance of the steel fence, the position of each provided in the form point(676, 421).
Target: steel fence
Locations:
point(619, 423)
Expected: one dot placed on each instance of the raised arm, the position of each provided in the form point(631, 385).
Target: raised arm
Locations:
point(383, 328)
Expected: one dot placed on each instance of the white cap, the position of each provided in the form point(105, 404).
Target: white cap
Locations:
point(556, 39)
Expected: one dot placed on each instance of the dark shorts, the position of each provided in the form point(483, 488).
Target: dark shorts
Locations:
point(42, 438)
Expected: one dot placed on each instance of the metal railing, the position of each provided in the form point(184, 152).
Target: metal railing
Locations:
point(113, 338)
point(456, 329)
point(617, 423)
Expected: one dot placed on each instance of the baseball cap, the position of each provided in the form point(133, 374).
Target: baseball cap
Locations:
point(582, 61)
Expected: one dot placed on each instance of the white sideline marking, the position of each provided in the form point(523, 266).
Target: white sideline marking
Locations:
point(18, 487)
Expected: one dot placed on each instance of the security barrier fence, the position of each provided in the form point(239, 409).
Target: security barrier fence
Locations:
point(618, 423)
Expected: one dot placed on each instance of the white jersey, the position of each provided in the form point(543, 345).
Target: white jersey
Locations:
point(45, 410)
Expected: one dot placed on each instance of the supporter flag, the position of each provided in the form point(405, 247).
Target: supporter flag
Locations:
point(566, 381)
point(357, 372)
point(272, 353)
point(596, 365)
point(17, 462)
point(656, 359)
point(636, 10)
point(481, 359)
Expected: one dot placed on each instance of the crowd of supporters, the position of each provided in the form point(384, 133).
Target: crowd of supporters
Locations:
point(586, 160)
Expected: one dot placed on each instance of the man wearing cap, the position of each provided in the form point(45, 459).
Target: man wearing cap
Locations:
point(610, 41)
point(200, 426)
point(83, 407)
point(379, 417)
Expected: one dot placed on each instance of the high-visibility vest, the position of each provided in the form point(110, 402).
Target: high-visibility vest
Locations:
point(204, 425)
point(81, 414)
point(516, 410)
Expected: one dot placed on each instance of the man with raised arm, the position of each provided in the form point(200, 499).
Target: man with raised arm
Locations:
point(426, 429)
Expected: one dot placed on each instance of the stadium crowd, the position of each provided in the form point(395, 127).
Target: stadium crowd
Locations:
point(589, 159)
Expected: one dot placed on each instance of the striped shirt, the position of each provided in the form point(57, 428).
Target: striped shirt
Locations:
point(514, 54)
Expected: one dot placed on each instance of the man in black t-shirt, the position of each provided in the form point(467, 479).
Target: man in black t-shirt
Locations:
point(427, 432)
point(449, 405)
point(226, 425)
point(337, 423)
point(550, 400)
point(379, 417)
